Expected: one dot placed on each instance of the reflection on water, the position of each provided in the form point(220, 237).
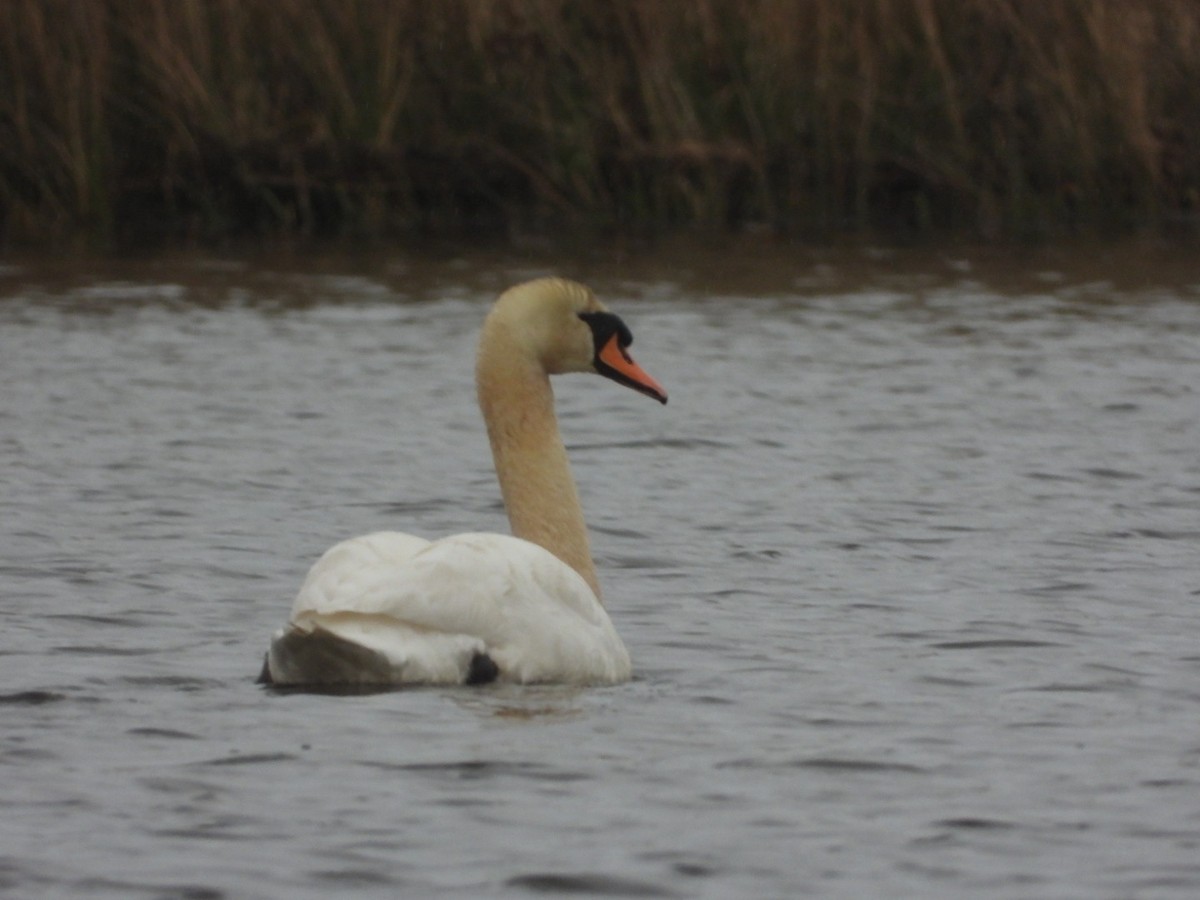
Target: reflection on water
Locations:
point(907, 569)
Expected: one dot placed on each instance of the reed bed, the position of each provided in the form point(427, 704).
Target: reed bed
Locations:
point(205, 119)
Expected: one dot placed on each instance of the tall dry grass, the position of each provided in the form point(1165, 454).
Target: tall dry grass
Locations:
point(208, 118)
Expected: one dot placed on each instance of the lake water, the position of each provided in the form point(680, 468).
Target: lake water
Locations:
point(909, 569)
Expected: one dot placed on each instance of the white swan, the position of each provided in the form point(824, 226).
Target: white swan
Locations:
point(392, 608)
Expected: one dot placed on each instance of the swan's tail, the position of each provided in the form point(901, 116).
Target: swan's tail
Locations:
point(318, 656)
point(366, 651)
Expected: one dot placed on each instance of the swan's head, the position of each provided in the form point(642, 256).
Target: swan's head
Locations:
point(564, 326)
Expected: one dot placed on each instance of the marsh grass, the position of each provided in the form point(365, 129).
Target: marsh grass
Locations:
point(210, 118)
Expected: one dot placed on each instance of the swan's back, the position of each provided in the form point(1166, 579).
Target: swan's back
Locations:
point(393, 608)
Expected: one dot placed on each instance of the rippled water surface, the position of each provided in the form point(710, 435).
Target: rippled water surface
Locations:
point(909, 569)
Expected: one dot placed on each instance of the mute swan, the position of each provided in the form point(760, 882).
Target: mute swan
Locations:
point(392, 608)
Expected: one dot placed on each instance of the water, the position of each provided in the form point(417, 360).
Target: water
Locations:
point(908, 569)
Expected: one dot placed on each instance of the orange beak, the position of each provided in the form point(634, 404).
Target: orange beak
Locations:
point(619, 365)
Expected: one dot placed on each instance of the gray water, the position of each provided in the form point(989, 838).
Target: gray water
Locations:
point(908, 568)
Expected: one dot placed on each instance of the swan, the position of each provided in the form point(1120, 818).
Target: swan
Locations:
point(390, 608)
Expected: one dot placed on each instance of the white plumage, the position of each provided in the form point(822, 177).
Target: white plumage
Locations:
point(430, 606)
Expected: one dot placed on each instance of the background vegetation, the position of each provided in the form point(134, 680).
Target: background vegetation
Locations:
point(203, 119)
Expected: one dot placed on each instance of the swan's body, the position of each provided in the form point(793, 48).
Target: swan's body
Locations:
point(393, 608)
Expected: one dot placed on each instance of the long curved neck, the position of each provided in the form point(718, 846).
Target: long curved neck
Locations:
point(531, 461)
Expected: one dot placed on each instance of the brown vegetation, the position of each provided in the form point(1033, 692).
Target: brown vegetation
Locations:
point(208, 118)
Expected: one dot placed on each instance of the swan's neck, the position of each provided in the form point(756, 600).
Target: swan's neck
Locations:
point(531, 461)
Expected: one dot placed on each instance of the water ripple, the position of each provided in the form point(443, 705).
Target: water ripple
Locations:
point(31, 698)
point(476, 770)
point(972, 823)
point(597, 885)
point(249, 759)
point(828, 764)
point(994, 643)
